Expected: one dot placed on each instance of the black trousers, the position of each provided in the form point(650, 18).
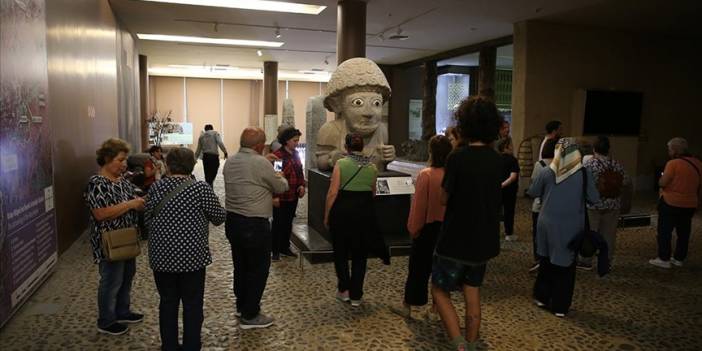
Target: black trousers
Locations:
point(345, 245)
point(420, 261)
point(351, 220)
point(673, 218)
point(283, 217)
point(509, 202)
point(554, 285)
point(210, 164)
point(250, 239)
point(188, 287)
point(534, 223)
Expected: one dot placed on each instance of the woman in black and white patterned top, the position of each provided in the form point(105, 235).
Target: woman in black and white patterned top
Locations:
point(179, 249)
point(113, 205)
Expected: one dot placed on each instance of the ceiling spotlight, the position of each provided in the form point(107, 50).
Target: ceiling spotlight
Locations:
point(326, 60)
point(399, 35)
point(277, 33)
point(259, 53)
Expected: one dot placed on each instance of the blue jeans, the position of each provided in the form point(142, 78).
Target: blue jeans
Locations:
point(114, 290)
point(250, 239)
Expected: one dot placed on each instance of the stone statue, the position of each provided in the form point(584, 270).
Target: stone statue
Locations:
point(316, 115)
point(355, 92)
point(288, 113)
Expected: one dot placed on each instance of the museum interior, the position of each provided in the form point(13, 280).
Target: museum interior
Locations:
point(75, 73)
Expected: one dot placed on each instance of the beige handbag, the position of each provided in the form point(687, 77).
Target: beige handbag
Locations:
point(121, 244)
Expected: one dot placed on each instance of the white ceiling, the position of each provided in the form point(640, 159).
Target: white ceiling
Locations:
point(434, 26)
point(441, 25)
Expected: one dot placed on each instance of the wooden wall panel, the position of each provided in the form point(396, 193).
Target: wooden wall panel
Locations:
point(168, 96)
point(237, 109)
point(204, 106)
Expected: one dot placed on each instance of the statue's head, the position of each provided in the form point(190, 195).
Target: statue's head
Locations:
point(356, 92)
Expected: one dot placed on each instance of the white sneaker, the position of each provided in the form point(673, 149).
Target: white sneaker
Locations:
point(510, 237)
point(343, 296)
point(676, 262)
point(660, 263)
point(355, 303)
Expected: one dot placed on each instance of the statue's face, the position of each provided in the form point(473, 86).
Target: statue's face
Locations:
point(362, 111)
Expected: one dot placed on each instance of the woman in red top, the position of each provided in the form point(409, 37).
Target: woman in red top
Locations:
point(285, 204)
point(424, 221)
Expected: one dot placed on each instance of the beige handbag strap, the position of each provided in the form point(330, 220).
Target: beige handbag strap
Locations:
point(172, 194)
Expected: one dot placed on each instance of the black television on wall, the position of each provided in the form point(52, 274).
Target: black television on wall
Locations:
point(612, 112)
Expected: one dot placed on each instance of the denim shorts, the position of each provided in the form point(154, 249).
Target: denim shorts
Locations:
point(450, 275)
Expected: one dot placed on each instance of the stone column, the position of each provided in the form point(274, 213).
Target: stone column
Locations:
point(350, 30)
point(488, 62)
point(270, 99)
point(144, 100)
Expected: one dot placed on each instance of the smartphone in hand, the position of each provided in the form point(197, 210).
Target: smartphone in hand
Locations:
point(278, 165)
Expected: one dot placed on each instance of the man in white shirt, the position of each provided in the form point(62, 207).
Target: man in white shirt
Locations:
point(207, 146)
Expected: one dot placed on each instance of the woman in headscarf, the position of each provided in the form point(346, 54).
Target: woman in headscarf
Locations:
point(563, 195)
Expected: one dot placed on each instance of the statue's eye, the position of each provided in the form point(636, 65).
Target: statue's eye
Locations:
point(357, 102)
point(377, 103)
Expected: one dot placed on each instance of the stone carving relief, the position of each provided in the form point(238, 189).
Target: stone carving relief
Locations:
point(315, 117)
point(355, 93)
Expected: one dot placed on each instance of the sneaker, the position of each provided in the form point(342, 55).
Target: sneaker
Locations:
point(355, 303)
point(131, 318)
point(343, 296)
point(510, 237)
point(275, 258)
point(676, 262)
point(660, 263)
point(114, 329)
point(539, 303)
point(260, 321)
point(535, 267)
point(584, 266)
point(559, 315)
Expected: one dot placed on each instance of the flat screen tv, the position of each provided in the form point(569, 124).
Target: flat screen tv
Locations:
point(612, 112)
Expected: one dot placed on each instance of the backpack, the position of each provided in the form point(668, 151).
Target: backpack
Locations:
point(610, 183)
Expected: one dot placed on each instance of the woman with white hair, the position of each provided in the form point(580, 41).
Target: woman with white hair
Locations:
point(680, 191)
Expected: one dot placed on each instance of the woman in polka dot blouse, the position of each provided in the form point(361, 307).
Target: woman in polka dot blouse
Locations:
point(179, 249)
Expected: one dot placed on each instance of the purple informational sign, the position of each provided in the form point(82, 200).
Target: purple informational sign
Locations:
point(28, 243)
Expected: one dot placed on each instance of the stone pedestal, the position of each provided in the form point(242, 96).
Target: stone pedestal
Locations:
point(391, 210)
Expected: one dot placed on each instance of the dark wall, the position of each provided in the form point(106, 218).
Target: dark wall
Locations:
point(82, 52)
point(406, 84)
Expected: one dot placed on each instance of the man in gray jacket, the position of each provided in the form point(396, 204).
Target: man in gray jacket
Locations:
point(207, 146)
point(249, 184)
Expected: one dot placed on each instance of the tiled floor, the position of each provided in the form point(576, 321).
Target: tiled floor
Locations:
point(637, 307)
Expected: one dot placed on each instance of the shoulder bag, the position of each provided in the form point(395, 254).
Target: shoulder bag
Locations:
point(123, 244)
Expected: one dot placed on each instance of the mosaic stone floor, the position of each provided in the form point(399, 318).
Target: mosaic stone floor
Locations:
point(637, 307)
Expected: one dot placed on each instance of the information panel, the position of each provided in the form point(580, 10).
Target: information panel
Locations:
point(28, 243)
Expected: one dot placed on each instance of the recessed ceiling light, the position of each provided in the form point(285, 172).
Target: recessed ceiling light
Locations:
point(261, 5)
point(205, 40)
point(259, 53)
